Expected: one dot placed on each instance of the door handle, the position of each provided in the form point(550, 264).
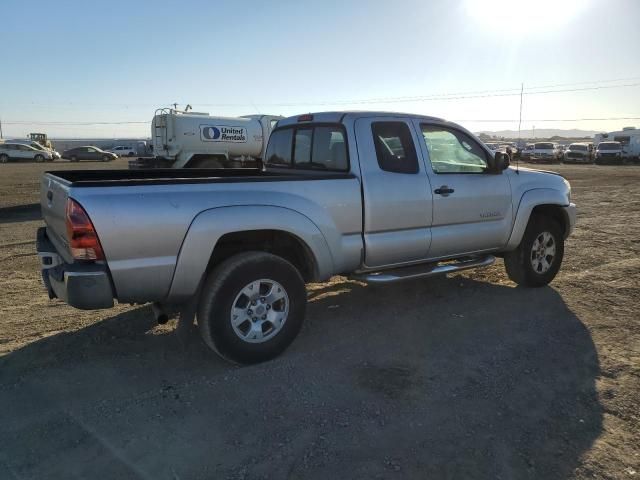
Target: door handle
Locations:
point(443, 190)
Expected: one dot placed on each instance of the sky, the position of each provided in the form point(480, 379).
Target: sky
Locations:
point(100, 69)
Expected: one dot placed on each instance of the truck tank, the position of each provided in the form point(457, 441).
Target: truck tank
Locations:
point(179, 136)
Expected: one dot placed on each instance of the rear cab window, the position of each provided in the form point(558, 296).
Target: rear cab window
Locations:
point(308, 147)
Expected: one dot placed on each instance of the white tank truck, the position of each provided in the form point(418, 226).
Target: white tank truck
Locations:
point(183, 139)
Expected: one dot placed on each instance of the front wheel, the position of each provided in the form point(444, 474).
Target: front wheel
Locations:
point(252, 307)
point(536, 261)
point(106, 158)
point(39, 158)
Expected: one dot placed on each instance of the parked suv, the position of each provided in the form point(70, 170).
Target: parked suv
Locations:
point(545, 152)
point(88, 153)
point(609, 153)
point(578, 153)
point(19, 151)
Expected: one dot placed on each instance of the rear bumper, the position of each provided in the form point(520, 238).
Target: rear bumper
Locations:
point(84, 286)
point(571, 213)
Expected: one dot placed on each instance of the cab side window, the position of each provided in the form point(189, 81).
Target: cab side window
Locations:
point(394, 147)
point(452, 151)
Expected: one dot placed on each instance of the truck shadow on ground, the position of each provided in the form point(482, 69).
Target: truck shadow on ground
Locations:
point(448, 377)
point(20, 213)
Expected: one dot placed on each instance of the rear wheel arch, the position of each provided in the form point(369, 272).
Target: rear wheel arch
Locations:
point(280, 243)
point(219, 233)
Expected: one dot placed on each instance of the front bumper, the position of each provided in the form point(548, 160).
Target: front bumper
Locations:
point(86, 286)
point(571, 213)
point(581, 159)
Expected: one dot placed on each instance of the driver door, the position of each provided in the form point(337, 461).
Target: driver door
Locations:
point(472, 209)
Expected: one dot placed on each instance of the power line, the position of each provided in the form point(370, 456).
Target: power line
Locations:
point(479, 120)
point(36, 122)
point(434, 97)
point(505, 120)
point(534, 90)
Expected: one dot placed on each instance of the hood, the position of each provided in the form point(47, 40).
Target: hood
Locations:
point(531, 179)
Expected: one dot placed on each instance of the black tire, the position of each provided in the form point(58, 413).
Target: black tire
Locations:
point(4, 158)
point(519, 263)
point(73, 158)
point(131, 154)
point(106, 158)
point(222, 288)
point(39, 158)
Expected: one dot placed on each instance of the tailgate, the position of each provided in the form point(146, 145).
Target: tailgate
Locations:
point(54, 192)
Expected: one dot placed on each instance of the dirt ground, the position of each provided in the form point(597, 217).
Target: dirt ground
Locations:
point(455, 377)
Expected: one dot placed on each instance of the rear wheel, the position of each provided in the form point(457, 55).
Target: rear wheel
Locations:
point(73, 158)
point(537, 259)
point(4, 158)
point(252, 307)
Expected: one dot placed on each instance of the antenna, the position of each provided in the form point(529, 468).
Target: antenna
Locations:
point(519, 125)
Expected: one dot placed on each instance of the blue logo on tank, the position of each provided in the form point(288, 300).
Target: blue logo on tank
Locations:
point(211, 133)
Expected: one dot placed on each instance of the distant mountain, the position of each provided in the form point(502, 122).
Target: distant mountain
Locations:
point(543, 133)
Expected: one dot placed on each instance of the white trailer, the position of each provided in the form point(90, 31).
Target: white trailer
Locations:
point(199, 140)
point(629, 137)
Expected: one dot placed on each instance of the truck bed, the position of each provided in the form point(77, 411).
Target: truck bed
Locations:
point(168, 176)
point(142, 217)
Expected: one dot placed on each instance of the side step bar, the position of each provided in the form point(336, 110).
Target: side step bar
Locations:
point(424, 270)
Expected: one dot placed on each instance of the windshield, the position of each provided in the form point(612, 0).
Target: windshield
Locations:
point(609, 146)
point(578, 148)
point(544, 146)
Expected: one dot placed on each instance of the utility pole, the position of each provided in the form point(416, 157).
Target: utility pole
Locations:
point(1, 129)
point(520, 119)
point(519, 144)
point(534, 132)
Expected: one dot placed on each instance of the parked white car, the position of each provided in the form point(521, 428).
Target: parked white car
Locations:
point(123, 151)
point(38, 146)
point(19, 151)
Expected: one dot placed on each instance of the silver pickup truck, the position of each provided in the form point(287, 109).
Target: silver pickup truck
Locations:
point(380, 197)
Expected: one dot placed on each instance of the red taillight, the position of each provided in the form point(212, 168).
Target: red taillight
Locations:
point(83, 238)
point(307, 117)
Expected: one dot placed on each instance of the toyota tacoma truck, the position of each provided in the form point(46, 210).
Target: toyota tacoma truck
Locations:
point(380, 197)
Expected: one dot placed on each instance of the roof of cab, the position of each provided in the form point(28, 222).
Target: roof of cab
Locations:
point(339, 117)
